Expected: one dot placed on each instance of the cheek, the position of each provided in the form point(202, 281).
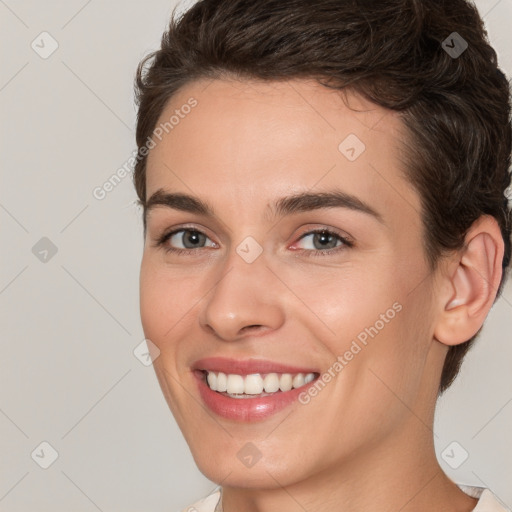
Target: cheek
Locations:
point(162, 302)
point(170, 301)
point(343, 302)
point(369, 317)
point(152, 298)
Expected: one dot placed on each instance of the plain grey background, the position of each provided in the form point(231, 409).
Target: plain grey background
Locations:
point(69, 281)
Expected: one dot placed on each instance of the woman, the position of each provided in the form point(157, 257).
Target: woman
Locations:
point(326, 228)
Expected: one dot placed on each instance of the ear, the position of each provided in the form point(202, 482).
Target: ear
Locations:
point(471, 283)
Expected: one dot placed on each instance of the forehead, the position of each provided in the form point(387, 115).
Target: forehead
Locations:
point(253, 140)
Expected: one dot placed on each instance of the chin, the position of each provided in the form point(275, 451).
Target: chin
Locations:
point(244, 467)
point(236, 475)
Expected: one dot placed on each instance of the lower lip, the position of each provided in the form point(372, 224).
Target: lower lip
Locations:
point(246, 409)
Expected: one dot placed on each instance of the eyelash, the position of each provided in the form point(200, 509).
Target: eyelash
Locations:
point(346, 243)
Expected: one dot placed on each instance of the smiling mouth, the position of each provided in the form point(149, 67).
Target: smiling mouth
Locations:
point(255, 385)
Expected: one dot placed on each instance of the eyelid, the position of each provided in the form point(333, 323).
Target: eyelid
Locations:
point(187, 227)
point(347, 240)
point(162, 239)
point(343, 235)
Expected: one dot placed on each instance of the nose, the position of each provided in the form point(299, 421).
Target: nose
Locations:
point(243, 301)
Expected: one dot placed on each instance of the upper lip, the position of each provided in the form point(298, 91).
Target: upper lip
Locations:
point(247, 366)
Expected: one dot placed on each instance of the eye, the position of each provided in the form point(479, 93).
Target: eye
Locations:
point(323, 241)
point(182, 240)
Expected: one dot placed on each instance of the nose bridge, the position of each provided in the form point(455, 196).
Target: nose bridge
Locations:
point(242, 295)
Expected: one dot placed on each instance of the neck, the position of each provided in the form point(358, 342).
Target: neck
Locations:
point(399, 474)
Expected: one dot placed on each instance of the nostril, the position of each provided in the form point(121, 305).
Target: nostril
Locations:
point(251, 327)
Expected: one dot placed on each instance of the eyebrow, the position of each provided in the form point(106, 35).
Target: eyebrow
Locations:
point(297, 203)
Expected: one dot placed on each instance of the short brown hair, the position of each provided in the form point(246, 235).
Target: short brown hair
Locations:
point(456, 108)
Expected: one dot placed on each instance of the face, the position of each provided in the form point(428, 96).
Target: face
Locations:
point(240, 279)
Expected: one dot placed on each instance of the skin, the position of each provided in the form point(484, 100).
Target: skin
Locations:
point(365, 442)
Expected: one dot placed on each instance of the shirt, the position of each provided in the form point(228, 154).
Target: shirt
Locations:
point(487, 502)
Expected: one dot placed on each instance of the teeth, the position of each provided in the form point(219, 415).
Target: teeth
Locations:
point(222, 382)
point(253, 384)
point(235, 384)
point(271, 383)
point(211, 378)
point(309, 377)
point(285, 382)
point(299, 380)
point(256, 383)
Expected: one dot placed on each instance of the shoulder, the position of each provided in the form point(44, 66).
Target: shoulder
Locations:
point(206, 504)
point(487, 502)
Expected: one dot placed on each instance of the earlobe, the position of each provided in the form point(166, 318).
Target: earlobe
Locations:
point(473, 283)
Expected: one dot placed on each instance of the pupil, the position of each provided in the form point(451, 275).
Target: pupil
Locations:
point(192, 239)
point(325, 239)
